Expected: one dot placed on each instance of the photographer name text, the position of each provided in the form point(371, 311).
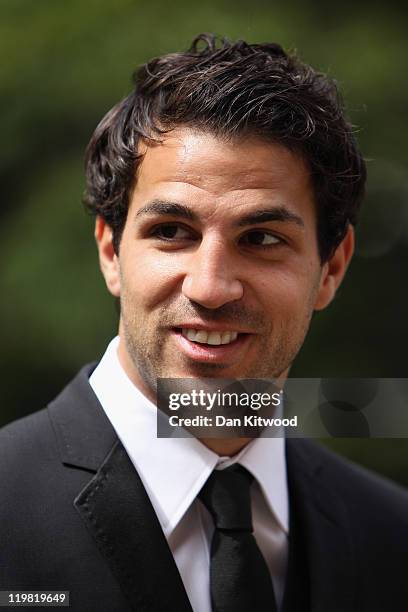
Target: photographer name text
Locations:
point(222, 421)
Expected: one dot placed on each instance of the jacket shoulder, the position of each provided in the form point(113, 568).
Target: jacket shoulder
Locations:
point(28, 436)
point(368, 496)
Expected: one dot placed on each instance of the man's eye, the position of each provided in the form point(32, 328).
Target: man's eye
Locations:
point(259, 238)
point(170, 232)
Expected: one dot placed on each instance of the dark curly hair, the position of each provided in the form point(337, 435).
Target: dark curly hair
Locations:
point(231, 90)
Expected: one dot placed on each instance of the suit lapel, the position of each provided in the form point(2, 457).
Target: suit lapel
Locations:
point(322, 519)
point(114, 504)
point(118, 513)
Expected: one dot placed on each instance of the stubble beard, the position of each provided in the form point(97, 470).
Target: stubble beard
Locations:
point(147, 348)
point(147, 353)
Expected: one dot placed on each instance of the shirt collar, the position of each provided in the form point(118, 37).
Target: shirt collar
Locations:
point(173, 470)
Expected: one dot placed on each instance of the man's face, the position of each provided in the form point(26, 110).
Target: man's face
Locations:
point(218, 270)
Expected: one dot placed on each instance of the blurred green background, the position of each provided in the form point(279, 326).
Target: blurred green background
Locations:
point(64, 64)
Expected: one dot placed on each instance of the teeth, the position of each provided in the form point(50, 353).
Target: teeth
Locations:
point(201, 336)
point(226, 338)
point(190, 334)
point(214, 338)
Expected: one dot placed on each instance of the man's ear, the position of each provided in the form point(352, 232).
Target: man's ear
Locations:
point(334, 269)
point(108, 259)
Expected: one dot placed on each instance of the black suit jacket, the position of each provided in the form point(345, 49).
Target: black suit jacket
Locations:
point(75, 516)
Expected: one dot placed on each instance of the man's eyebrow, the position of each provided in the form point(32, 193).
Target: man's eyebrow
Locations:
point(174, 209)
point(270, 214)
point(162, 207)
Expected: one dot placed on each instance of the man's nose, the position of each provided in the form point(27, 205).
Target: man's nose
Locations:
point(211, 278)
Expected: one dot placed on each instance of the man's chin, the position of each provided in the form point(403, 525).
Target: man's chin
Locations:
point(202, 370)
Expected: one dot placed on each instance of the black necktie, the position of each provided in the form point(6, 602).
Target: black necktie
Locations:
point(239, 577)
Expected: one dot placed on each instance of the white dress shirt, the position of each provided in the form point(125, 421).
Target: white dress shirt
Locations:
point(173, 471)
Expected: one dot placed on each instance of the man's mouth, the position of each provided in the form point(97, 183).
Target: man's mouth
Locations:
point(213, 338)
point(208, 345)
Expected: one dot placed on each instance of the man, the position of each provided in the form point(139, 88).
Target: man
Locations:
point(225, 189)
